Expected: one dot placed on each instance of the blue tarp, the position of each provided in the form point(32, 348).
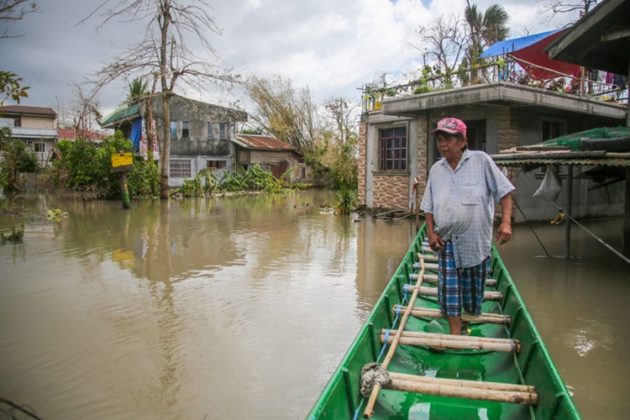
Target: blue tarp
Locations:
point(515, 44)
point(136, 134)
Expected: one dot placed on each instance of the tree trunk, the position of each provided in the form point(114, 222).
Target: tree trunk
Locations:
point(165, 156)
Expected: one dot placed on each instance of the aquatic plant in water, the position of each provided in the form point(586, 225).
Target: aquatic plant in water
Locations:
point(16, 236)
point(55, 215)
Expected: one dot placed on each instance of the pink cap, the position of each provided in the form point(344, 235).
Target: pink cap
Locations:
point(451, 125)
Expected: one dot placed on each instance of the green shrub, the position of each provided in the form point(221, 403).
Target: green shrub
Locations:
point(16, 159)
point(347, 200)
point(86, 166)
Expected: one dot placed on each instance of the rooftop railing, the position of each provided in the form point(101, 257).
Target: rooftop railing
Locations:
point(506, 70)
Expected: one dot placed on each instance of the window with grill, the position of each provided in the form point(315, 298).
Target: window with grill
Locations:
point(180, 169)
point(39, 147)
point(392, 149)
point(173, 129)
point(215, 164)
point(223, 131)
point(210, 131)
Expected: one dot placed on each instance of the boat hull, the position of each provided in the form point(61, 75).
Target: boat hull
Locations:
point(531, 365)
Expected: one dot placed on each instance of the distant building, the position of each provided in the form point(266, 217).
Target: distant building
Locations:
point(34, 125)
point(201, 134)
point(272, 154)
point(72, 134)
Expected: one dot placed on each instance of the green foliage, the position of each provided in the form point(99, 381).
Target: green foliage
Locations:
point(144, 179)
point(76, 169)
point(137, 91)
point(205, 183)
point(347, 200)
point(55, 215)
point(16, 159)
point(11, 87)
point(87, 167)
point(255, 178)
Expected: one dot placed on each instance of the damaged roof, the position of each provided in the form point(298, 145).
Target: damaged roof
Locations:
point(261, 142)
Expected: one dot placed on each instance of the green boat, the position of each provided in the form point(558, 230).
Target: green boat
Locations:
point(500, 370)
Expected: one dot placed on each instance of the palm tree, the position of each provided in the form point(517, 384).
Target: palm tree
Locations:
point(137, 91)
point(484, 29)
point(138, 94)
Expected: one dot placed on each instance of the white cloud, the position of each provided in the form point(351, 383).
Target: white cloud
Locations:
point(331, 46)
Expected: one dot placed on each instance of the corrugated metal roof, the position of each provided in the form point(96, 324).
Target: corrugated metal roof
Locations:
point(260, 142)
point(124, 113)
point(586, 162)
point(595, 158)
point(28, 110)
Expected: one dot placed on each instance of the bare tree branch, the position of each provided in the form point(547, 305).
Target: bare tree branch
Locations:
point(12, 11)
point(171, 25)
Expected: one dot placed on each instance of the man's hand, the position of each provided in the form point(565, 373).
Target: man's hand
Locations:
point(504, 232)
point(436, 243)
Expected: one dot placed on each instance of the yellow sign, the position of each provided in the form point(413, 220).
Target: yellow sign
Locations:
point(122, 159)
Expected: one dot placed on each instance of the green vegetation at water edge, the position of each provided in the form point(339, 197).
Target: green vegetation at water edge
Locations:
point(83, 166)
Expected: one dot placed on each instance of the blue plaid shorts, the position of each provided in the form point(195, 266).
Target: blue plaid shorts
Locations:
point(459, 287)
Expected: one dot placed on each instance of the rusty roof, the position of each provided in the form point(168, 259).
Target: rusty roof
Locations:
point(591, 158)
point(71, 133)
point(28, 110)
point(260, 142)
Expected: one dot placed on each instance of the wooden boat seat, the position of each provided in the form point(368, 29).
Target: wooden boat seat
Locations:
point(433, 279)
point(488, 391)
point(432, 291)
point(484, 318)
point(455, 342)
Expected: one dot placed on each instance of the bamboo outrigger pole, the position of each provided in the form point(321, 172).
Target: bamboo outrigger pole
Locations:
point(369, 408)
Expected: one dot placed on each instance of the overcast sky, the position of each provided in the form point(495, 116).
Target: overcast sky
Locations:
point(331, 46)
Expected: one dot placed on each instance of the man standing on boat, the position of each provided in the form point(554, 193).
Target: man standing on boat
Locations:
point(458, 202)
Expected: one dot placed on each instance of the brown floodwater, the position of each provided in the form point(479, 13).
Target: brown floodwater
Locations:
point(241, 308)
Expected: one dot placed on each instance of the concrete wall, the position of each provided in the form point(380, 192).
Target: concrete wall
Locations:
point(196, 148)
point(197, 164)
point(506, 126)
point(386, 188)
point(36, 122)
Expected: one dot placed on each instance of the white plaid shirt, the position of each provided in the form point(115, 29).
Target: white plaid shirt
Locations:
point(462, 204)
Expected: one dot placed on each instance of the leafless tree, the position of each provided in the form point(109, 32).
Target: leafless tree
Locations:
point(12, 11)
point(171, 26)
point(286, 113)
point(445, 39)
point(343, 117)
point(84, 112)
point(556, 7)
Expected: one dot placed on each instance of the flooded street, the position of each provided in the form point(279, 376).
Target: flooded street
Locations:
point(241, 308)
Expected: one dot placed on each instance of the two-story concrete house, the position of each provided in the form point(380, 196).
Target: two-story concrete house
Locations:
point(36, 126)
point(396, 145)
point(201, 134)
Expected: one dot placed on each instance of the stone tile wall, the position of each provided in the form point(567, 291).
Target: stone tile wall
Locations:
point(391, 191)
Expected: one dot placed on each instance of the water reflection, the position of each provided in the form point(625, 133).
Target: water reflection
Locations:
point(579, 308)
point(179, 309)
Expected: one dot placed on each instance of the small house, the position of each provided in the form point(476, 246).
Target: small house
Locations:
point(271, 154)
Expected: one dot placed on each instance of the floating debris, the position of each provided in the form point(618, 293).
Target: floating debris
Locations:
point(16, 236)
point(56, 215)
